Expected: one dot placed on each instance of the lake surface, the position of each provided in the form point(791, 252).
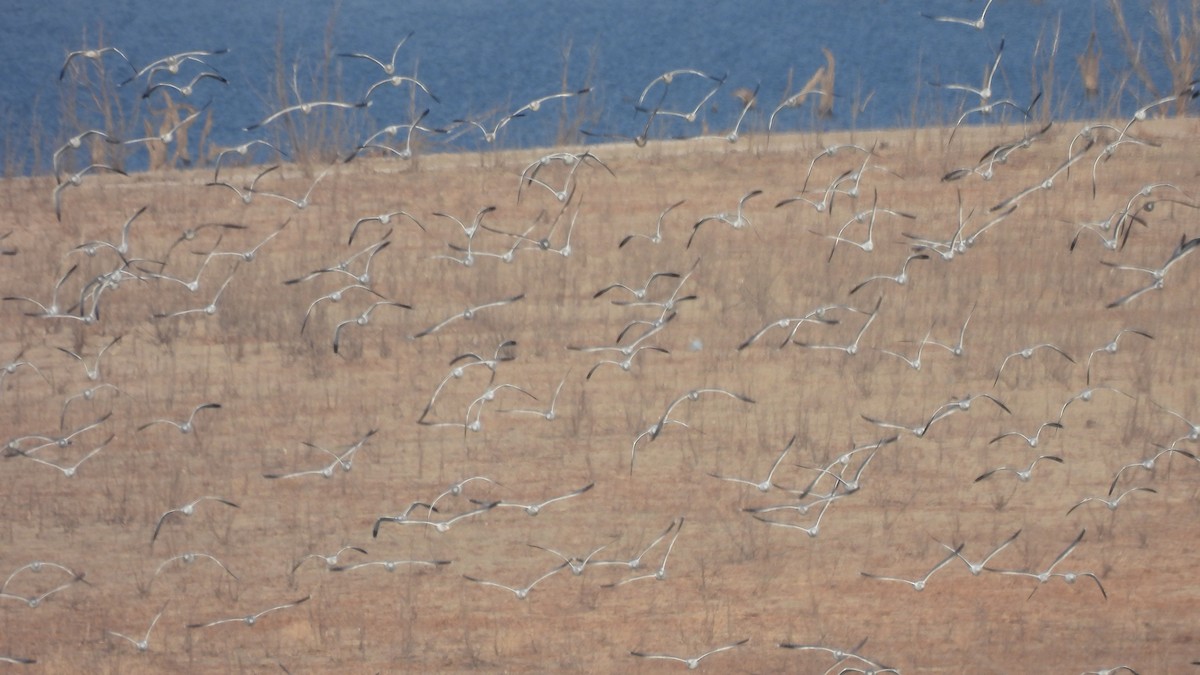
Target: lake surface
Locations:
point(484, 58)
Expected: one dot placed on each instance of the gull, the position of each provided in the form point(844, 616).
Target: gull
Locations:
point(660, 573)
point(186, 426)
point(689, 116)
point(626, 363)
point(404, 514)
point(306, 108)
point(455, 373)
point(143, 644)
point(35, 601)
point(207, 310)
point(967, 242)
point(383, 219)
point(500, 355)
point(852, 348)
point(977, 568)
point(192, 285)
point(69, 471)
point(188, 559)
point(363, 319)
point(330, 560)
point(549, 414)
point(168, 136)
point(1026, 111)
point(748, 98)
point(1111, 347)
point(389, 67)
point(652, 432)
point(812, 530)
point(577, 565)
point(250, 254)
point(1023, 475)
point(533, 106)
point(919, 584)
point(1031, 441)
point(901, 278)
point(977, 24)
point(640, 292)
point(572, 160)
point(172, 62)
point(984, 93)
point(920, 430)
point(636, 561)
point(655, 238)
point(1043, 577)
point(241, 150)
point(848, 486)
point(1193, 432)
point(469, 258)
point(468, 314)
point(1027, 353)
point(868, 245)
point(251, 619)
point(737, 220)
point(1147, 464)
point(654, 325)
point(830, 151)
point(1086, 396)
point(838, 654)
point(396, 81)
point(185, 90)
point(520, 593)
point(668, 306)
point(795, 101)
point(343, 460)
point(440, 525)
point(764, 484)
point(535, 509)
point(303, 202)
point(914, 363)
point(187, 510)
point(74, 143)
point(245, 193)
point(389, 565)
point(786, 322)
point(1158, 275)
point(957, 350)
point(390, 131)
point(90, 248)
point(343, 267)
point(13, 448)
point(1110, 503)
point(543, 244)
point(76, 179)
point(93, 55)
point(456, 489)
point(691, 662)
point(37, 566)
point(488, 395)
point(469, 230)
point(694, 395)
point(11, 367)
point(94, 370)
point(669, 77)
point(1046, 183)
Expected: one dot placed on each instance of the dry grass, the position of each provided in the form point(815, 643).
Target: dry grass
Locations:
point(729, 576)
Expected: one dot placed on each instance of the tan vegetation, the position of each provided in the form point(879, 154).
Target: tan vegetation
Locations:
point(729, 576)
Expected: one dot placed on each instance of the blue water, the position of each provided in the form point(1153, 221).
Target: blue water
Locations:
point(485, 57)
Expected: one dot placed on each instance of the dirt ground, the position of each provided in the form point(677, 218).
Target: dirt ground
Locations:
point(729, 576)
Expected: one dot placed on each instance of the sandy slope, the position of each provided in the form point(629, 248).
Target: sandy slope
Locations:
point(729, 576)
